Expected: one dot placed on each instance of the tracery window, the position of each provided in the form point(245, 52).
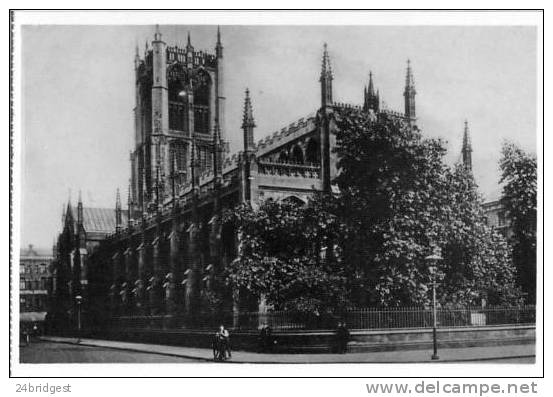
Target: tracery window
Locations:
point(312, 152)
point(297, 155)
point(202, 84)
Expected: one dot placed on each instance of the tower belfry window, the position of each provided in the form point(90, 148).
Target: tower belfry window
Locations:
point(202, 84)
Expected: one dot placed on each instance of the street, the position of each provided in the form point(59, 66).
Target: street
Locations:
point(48, 352)
point(67, 350)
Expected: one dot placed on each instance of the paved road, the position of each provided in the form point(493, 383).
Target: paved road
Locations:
point(48, 352)
point(508, 354)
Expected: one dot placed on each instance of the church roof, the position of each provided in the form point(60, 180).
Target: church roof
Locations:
point(100, 220)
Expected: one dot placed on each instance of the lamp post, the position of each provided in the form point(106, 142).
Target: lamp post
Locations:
point(433, 260)
point(79, 300)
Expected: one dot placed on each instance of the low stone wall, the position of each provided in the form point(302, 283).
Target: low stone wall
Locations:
point(325, 341)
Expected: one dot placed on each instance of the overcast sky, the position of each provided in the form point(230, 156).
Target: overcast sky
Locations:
point(78, 95)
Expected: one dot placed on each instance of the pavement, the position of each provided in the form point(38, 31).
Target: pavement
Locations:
point(42, 352)
point(511, 353)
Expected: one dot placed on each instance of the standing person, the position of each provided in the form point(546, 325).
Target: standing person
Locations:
point(26, 337)
point(225, 338)
point(266, 340)
point(342, 337)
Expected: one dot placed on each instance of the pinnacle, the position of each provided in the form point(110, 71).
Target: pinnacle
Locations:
point(247, 120)
point(326, 68)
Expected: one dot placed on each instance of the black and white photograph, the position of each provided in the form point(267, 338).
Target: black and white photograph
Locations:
point(339, 190)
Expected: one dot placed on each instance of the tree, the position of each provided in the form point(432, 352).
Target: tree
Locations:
point(477, 259)
point(397, 199)
point(279, 256)
point(519, 175)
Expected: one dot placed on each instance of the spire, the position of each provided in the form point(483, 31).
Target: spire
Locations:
point(372, 100)
point(467, 148)
point(189, 47)
point(326, 68)
point(80, 217)
point(157, 34)
point(371, 85)
point(409, 93)
point(326, 79)
point(248, 123)
point(219, 45)
point(118, 218)
point(409, 80)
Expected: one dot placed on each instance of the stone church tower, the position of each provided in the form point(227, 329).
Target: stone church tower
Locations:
point(179, 99)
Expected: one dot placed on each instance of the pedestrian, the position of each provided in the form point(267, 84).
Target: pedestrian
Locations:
point(224, 336)
point(26, 336)
point(342, 337)
point(266, 340)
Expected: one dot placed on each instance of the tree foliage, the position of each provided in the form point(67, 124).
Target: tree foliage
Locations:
point(519, 176)
point(279, 256)
point(397, 199)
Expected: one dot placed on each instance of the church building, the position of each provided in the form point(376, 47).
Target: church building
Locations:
point(162, 254)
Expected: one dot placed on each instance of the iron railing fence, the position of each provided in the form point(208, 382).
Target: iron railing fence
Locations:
point(364, 318)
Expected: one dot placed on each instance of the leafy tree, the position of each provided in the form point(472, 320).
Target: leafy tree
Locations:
point(519, 175)
point(280, 256)
point(477, 259)
point(397, 198)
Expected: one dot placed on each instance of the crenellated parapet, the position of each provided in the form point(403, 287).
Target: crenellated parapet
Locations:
point(290, 170)
point(197, 58)
point(280, 139)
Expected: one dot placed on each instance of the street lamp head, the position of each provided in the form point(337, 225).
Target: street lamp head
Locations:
point(182, 93)
point(79, 299)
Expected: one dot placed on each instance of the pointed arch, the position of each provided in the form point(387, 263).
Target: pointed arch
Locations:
point(296, 155)
point(202, 89)
point(283, 156)
point(312, 155)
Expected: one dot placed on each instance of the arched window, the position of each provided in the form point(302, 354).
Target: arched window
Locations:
point(312, 152)
point(177, 114)
point(178, 155)
point(297, 155)
point(202, 84)
point(283, 156)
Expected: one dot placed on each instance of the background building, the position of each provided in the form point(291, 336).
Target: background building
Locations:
point(35, 285)
point(83, 228)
